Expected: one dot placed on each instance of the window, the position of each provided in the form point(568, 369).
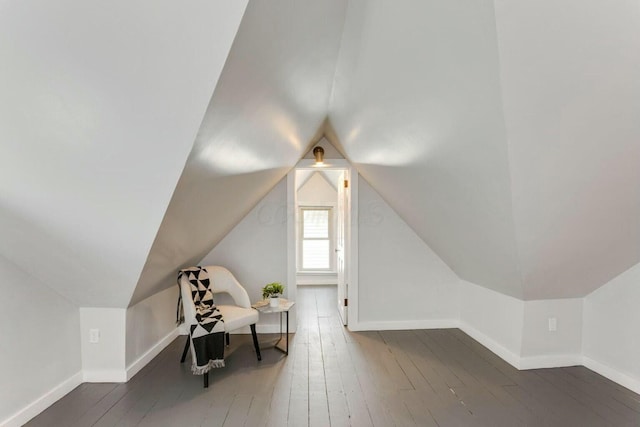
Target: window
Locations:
point(316, 242)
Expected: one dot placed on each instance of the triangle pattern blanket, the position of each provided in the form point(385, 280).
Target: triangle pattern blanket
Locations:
point(207, 334)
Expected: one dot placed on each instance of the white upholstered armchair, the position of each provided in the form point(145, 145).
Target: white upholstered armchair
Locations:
point(235, 316)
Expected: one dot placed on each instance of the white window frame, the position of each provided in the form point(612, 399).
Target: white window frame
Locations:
point(332, 240)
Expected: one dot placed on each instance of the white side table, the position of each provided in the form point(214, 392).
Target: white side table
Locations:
point(284, 307)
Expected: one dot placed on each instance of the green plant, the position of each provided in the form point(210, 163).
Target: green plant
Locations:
point(274, 289)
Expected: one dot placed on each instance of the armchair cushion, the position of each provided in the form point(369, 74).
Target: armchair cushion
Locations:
point(236, 317)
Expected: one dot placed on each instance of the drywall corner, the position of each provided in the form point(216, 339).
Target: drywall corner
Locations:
point(552, 333)
point(150, 327)
point(611, 343)
point(493, 319)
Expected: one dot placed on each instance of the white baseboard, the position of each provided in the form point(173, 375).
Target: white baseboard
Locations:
point(614, 375)
point(43, 402)
point(317, 279)
point(521, 363)
point(550, 361)
point(105, 376)
point(404, 325)
point(502, 352)
point(142, 361)
point(124, 375)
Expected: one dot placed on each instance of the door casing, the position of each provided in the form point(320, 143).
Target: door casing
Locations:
point(351, 236)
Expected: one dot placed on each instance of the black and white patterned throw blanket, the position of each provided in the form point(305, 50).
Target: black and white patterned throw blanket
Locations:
point(207, 336)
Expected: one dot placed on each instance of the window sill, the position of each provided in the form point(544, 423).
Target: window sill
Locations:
point(316, 273)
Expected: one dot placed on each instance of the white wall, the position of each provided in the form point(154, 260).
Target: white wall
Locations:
point(255, 251)
point(612, 329)
point(150, 327)
point(317, 192)
point(103, 361)
point(40, 345)
point(129, 338)
point(36, 370)
point(402, 283)
point(493, 319)
point(518, 331)
point(542, 347)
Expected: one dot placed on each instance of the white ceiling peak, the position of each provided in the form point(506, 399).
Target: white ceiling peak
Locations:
point(270, 102)
point(330, 151)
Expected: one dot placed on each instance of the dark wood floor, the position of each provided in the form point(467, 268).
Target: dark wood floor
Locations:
point(338, 378)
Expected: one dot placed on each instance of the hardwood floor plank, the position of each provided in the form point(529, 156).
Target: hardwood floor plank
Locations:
point(420, 412)
point(621, 394)
point(217, 412)
point(80, 401)
point(607, 408)
point(238, 411)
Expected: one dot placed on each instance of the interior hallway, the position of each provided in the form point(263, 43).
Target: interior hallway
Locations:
point(336, 378)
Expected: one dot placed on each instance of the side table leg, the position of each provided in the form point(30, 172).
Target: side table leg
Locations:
point(287, 338)
point(278, 345)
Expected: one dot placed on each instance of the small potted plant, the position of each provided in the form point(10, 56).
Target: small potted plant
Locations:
point(273, 291)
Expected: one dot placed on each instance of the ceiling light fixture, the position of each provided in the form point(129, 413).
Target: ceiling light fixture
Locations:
point(318, 153)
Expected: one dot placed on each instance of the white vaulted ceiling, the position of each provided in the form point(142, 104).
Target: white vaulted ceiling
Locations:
point(99, 106)
point(417, 107)
point(505, 132)
point(571, 94)
point(269, 104)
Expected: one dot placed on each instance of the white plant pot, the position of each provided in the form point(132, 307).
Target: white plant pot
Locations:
point(274, 302)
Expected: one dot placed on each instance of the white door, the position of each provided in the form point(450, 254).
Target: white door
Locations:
point(342, 233)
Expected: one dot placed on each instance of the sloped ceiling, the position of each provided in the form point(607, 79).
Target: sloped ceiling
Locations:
point(269, 104)
point(99, 107)
point(505, 133)
point(507, 137)
point(572, 111)
point(417, 107)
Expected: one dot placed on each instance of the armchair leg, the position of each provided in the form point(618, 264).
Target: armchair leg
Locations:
point(226, 336)
point(255, 341)
point(186, 349)
point(206, 380)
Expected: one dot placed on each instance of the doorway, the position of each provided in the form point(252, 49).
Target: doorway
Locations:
point(322, 231)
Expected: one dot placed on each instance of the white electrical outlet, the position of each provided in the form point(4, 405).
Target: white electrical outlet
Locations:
point(94, 336)
point(553, 324)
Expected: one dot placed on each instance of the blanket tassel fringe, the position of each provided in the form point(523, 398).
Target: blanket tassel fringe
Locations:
point(201, 370)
